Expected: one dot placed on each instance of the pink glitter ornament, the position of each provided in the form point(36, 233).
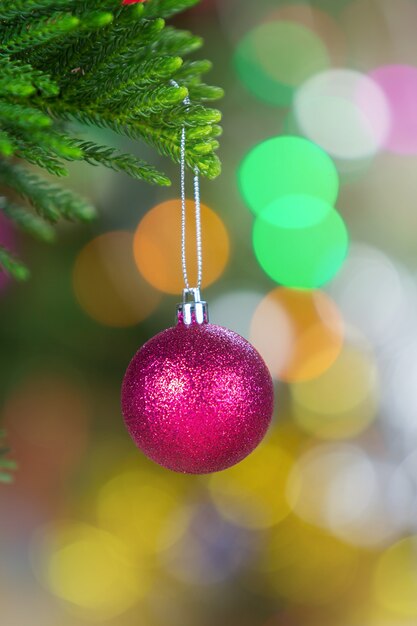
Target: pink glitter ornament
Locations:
point(197, 398)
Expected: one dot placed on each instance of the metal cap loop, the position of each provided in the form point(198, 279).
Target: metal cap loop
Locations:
point(192, 309)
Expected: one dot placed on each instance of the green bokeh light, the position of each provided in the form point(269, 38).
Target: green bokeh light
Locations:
point(275, 57)
point(300, 241)
point(284, 166)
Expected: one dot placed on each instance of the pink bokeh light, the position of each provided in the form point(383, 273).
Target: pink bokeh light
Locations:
point(399, 84)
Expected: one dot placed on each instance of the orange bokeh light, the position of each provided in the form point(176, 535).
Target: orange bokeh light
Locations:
point(157, 246)
point(299, 333)
point(108, 285)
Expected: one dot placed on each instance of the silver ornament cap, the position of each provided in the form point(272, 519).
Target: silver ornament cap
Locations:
point(192, 310)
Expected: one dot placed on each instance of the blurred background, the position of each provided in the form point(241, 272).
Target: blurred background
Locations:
point(310, 252)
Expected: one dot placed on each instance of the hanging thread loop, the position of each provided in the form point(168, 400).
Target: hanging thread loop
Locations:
point(197, 203)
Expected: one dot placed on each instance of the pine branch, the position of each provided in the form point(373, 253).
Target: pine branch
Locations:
point(89, 52)
point(19, 9)
point(27, 221)
point(106, 65)
point(18, 37)
point(100, 155)
point(24, 117)
point(51, 201)
point(166, 140)
point(179, 42)
point(38, 156)
point(16, 71)
point(204, 93)
point(12, 266)
point(153, 102)
point(121, 81)
point(191, 69)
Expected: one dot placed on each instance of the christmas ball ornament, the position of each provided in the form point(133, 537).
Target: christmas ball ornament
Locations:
point(197, 398)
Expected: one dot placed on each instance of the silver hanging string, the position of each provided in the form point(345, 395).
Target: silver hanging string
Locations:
point(197, 204)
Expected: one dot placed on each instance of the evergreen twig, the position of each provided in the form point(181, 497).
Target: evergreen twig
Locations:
point(105, 65)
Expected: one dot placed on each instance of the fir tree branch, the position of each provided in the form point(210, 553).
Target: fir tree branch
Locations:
point(19, 9)
point(56, 59)
point(116, 82)
point(14, 70)
point(166, 140)
point(12, 266)
point(152, 102)
point(106, 65)
point(24, 117)
point(191, 69)
point(28, 222)
point(18, 37)
point(17, 87)
point(177, 42)
point(38, 156)
point(204, 93)
point(51, 201)
point(90, 52)
point(100, 155)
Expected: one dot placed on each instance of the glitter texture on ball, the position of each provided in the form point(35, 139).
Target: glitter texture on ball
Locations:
point(197, 399)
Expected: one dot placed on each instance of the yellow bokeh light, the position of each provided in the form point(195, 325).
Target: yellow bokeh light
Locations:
point(252, 494)
point(343, 401)
point(134, 506)
point(299, 333)
point(395, 582)
point(88, 568)
point(370, 614)
point(306, 565)
point(108, 285)
point(157, 246)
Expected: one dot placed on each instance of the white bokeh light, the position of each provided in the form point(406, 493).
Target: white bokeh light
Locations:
point(344, 112)
point(375, 295)
point(358, 499)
